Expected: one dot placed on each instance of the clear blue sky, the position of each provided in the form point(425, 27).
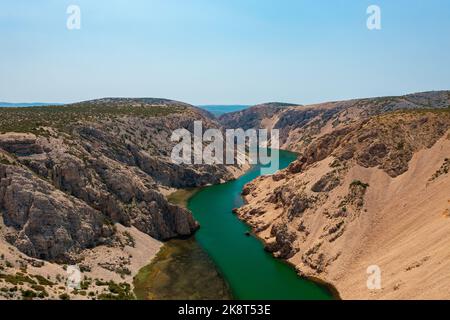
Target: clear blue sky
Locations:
point(222, 51)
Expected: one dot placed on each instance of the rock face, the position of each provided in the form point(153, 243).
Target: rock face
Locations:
point(370, 185)
point(64, 183)
point(20, 144)
point(45, 222)
point(370, 190)
point(299, 126)
point(387, 141)
point(253, 117)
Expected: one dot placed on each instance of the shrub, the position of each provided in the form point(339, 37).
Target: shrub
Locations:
point(28, 294)
point(358, 183)
point(43, 281)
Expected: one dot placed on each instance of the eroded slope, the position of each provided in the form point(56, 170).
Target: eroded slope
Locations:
point(374, 192)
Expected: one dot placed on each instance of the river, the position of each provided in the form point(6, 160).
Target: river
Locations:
point(222, 262)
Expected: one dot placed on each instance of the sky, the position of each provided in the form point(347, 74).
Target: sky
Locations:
point(222, 51)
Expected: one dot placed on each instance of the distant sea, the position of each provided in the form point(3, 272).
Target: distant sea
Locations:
point(28, 104)
point(218, 110)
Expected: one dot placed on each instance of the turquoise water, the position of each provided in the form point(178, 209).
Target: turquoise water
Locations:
point(250, 272)
point(218, 110)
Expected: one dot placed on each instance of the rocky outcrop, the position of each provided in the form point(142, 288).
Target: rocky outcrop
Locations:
point(371, 191)
point(64, 185)
point(44, 222)
point(20, 144)
point(388, 141)
point(255, 116)
point(282, 244)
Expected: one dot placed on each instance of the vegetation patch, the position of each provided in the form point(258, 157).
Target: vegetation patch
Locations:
point(444, 169)
point(182, 196)
point(358, 183)
point(37, 119)
point(17, 279)
point(129, 240)
point(327, 183)
point(5, 161)
point(117, 291)
point(43, 281)
point(64, 296)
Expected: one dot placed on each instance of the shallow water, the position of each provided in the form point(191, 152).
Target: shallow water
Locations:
point(182, 270)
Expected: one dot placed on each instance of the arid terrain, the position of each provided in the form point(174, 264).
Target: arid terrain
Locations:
point(85, 184)
point(370, 188)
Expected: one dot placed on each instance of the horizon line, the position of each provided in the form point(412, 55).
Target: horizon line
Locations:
point(227, 104)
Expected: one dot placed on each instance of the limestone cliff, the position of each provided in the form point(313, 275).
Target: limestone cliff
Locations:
point(370, 190)
point(300, 125)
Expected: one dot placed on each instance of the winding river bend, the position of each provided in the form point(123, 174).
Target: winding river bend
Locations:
point(222, 262)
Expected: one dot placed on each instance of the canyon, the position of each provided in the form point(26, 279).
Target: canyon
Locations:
point(87, 184)
point(369, 188)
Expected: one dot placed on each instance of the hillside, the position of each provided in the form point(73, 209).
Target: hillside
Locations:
point(80, 179)
point(300, 125)
point(86, 184)
point(370, 187)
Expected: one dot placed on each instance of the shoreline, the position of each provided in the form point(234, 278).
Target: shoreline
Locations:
point(181, 197)
point(154, 269)
point(327, 285)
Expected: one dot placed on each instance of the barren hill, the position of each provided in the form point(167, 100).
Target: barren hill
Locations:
point(370, 187)
point(254, 116)
point(300, 125)
point(78, 179)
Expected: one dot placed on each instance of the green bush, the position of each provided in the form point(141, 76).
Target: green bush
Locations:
point(64, 296)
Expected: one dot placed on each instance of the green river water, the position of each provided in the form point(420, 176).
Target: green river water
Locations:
point(222, 262)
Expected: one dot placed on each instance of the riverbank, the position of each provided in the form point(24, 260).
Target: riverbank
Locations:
point(240, 260)
point(321, 282)
point(326, 285)
point(181, 196)
point(181, 269)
